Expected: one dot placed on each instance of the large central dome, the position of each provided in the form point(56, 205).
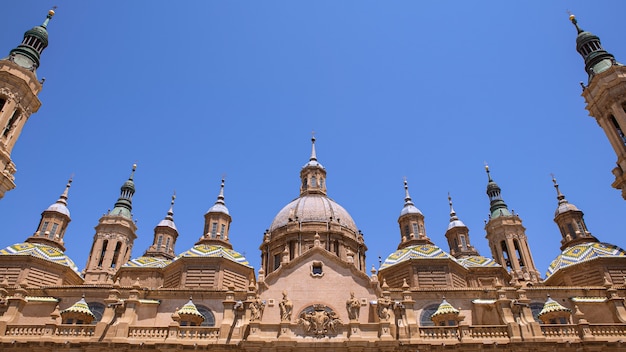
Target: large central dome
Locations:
point(314, 208)
point(312, 220)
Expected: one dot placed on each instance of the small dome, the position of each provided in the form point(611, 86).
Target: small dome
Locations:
point(552, 306)
point(445, 308)
point(42, 251)
point(583, 252)
point(456, 223)
point(167, 223)
point(565, 207)
point(313, 163)
point(79, 307)
point(410, 209)
point(218, 208)
point(313, 208)
point(478, 261)
point(147, 262)
point(421, 251)
point(59, 208)
point(213, 251)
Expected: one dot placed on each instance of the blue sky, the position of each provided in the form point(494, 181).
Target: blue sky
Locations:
point(424, 90)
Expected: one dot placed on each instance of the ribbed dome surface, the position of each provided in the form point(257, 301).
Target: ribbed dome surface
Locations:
point(313, 208)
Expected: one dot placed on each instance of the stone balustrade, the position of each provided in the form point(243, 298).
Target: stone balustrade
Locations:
point(430, 334)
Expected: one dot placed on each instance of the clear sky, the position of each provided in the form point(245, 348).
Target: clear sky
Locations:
point(429, 91)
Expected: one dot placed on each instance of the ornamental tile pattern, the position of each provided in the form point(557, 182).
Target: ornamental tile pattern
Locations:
point(40, 251)
point(147, 262)
point(79, 307)
point(478, 261)
point(552, 306)
point(584, 252)
point(212, 251)
point(422, 251)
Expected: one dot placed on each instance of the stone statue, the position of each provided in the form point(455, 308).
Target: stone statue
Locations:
point(256, 309)
point(285, 308)
point(354, 307)
point(384, 304)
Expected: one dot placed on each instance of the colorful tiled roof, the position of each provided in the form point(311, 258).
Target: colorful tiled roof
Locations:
point(147, 262)
point(213, 251)
point(445, 308)
point(583, 252)
point(42, 251)
point(552, 306)
point(478, 261)
point(79, 307)
point(421, 251)
point(190, 309)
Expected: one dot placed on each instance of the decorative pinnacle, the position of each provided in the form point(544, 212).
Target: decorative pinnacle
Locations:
point(50, 14)
point(559, 195)
point(407, 196)
point(220, 197)
point(170, 213)
point(487, 170)
point(313, 156)
point(452, 212)
point(132, 174)
point(63, 197)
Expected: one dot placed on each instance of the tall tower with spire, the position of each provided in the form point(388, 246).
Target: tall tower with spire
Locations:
point(411, 222)
point(113, 241)
point(165, 235)
point(217, 223)
point(457, 235)
point(53, 223)
point(507, 238)
point(605, 94)
point(19, 88)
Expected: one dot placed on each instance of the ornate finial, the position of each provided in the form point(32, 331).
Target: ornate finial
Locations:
point(132, 174)
point(64, 195)
point(559, 195)
point(313, 156)
point(170, 212)
point(487, 170)
point(407, 196)
point(49, 16)
point(452, 212)
point(574, 21)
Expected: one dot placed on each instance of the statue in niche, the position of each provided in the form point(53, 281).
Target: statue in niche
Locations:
point(256, 309)
point(286, 306)
point(353, 306)
point(384, 306)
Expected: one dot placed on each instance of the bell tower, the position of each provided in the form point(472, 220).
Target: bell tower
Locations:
point(19, 87)
point(605, 94)
point(507, 238)
point(113, 241)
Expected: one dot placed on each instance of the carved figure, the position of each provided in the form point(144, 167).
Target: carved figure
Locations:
point(256, 309)
point(319, 320)
point(354, 307)
point(286, 306)
point(384, 305)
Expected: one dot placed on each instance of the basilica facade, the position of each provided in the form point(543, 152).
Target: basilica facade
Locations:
point(313, 290)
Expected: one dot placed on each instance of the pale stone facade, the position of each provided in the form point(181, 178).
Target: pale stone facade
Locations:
point(312, 291)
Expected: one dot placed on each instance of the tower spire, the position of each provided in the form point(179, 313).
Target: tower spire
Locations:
point(124, 204)
point(497, 205)
point(588, 45)
point(217, 222)
point(571, 221)
point(313, 155)
point(54, 222)
point(28, 53)
point(165, 235)
point(411, 221)
point(313, 174)
point(453, 216)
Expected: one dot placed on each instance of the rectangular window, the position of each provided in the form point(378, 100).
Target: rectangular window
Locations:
point(276, 261)
point(213, 229)
point(159, 243)
point(463, 243)
point(54, 230)
point(11, 122)
point(415, 229)
point(406, 231)
point(223, 230)
point(167, 244)
point(2, 102)
point(44, 227)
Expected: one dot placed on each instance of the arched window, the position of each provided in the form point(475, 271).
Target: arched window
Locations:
point(209, 318)
point(116, 254)
point(427, 313)
point(104, 250)
point(536, 308)
point(11, 123)
point(518, 253)
point(97, 309)
point(505, 254)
